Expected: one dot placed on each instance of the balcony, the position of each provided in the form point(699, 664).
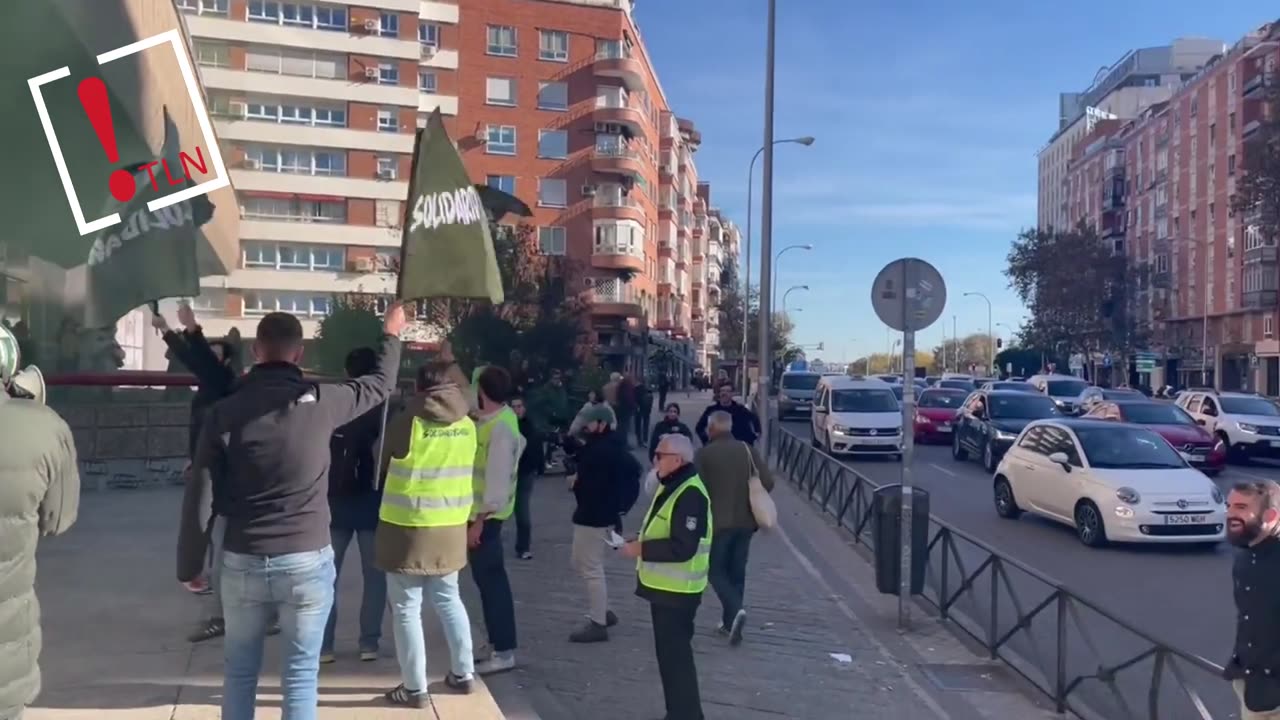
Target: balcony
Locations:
point(617, 159)
point(1259, 299)
point(277, 133)
point(1252, 86)
point(613, 205)
point(699, 330)
point(1160, 279)
point(615, 60)
point(612, 254)
point(315, 231)
point(339, 89)
point(612, 297)
point(1260, 254)
point(303, 38)
point(614, 106)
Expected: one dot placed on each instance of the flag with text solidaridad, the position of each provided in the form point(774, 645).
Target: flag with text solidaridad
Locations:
point(446, 250)
point(148, 255)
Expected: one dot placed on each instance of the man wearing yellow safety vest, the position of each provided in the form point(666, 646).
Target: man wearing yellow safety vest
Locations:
point(421, 541)
point(673, 556)
point(498, 448)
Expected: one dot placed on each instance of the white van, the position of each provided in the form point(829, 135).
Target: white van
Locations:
point(856, 416)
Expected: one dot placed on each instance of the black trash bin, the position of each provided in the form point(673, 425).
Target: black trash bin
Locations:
point(886, 528)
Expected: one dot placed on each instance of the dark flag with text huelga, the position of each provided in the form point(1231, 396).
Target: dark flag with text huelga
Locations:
point(149, 255)
point(446, 250)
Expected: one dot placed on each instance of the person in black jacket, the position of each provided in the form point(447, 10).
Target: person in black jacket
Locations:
point(268, 444)
point(354, 499)
point(212, 364)
point(603, 460)
point(644, 411)
point(531, 465)
point(667, 556)
point(746, 425)
point(669, 425)
point(1253, 523)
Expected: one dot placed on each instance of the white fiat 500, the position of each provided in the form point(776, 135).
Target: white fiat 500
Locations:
point(1111, 482)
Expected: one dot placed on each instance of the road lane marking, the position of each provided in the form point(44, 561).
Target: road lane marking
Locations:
point(943, 470)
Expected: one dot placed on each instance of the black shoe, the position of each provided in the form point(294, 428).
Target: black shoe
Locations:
point(610, 619)
point(400, 695)
point(214, 628)
point(592, 632)
point(460, 685)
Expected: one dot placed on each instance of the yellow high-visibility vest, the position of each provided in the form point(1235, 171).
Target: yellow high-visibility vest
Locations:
point(688, 577)
point(431, 485)
point(507, 417)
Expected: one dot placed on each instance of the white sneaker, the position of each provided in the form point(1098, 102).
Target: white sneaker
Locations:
point(496, 663)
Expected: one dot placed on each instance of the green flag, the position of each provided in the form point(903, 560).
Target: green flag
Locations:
point(148, 255)
point(446, 250)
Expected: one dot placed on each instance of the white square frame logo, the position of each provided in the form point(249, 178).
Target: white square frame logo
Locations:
point(220, 179)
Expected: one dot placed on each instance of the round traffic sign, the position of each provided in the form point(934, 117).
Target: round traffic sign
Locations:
point(909, 295)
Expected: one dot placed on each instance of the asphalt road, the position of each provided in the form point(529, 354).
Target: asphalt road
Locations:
point(1179, 595)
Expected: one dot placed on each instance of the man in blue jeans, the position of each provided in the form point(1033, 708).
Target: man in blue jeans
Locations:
point(267, 444)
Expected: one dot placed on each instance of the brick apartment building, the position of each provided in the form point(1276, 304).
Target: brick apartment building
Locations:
point(555, 101)
point(1159, 189)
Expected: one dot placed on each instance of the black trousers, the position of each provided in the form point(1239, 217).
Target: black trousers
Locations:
point(673, 643)
point(524, 525)
point(642, 427)
point(496, 603)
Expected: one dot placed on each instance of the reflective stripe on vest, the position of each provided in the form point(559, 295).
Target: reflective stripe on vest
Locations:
point(431, 485)
point(689, 577)
point(507, 417)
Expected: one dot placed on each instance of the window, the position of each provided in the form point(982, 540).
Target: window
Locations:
point(387, 121)
point(386, 213)
point(275, 110)
point(502, 40)
point(320, 17)
point(211, 54)
point(429, 34)
point(389, 25)
point(1268, 326)
point(386, 168)
point(427, 82)
point(205, 7)
point(293, 256)
point(553, 96)
point(501, 140)
point(298, 160)
point(261, 303)
point(553, 192)
point(505, 183)
point(1231, 164)
point(291, 210)
point(301, 63)
point(551, 240)
point(388, 74)
point(553, 143)
point(500, 91)
point(553, 45)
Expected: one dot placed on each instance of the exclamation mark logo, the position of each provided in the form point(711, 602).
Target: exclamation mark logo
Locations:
point(93, 96)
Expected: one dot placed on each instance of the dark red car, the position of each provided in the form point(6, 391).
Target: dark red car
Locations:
point(1196, 445)
point(935, 410)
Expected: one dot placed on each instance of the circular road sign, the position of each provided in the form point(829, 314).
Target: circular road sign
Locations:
point(909, 295)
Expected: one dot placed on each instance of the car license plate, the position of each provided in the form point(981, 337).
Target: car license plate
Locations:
point(1185, 519)
point(1275, 443)
point(1192, 458)
point(944, 427)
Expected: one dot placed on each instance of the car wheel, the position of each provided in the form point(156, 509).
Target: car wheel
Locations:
point(989, 458)
point(957, 451)
point(1006, 504)
point(813, 439)
point(896, 457)
point(1233, 454)
point(1089, 526)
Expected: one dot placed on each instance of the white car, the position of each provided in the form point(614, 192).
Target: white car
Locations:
point(857, 416)
point(1110, 481)
point(1249, 425)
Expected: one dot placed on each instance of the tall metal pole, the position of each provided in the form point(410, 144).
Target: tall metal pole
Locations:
point(908, 448)
point(1204, 329)
point(746, 261)
point(766, 230)
point(955, 344)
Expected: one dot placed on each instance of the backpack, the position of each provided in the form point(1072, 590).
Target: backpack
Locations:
point(629, 476)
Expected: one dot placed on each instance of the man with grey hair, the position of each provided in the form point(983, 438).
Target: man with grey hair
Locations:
point(1253, 514)
point(672, 557)
point(726, 465)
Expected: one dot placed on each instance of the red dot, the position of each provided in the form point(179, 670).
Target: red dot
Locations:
point(122, 185)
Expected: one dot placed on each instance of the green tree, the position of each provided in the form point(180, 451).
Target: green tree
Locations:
point(1257, 196)
point(352, 322)
point(957, 356)
point(730, 322)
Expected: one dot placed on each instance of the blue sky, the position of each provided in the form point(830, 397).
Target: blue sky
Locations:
point(927, 116)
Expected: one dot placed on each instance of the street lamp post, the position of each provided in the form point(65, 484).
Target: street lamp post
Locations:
point(893, 352)
point(766, 226)
point(777, 257)
point(746, 257)
point(790, 290)
point(991, 342)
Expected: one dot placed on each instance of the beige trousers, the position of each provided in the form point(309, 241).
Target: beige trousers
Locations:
point(1246, 713)
point(587, 557)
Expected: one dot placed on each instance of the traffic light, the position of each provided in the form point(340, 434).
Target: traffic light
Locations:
point(999, 343)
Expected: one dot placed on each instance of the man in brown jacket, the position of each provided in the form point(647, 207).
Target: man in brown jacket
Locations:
point(421, 541)
point(726, 466)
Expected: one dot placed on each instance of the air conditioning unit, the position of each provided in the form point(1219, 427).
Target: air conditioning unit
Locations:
point(252, 164)
point(371, 73)
point(588, 191)
point(386, 173)
point(364, 265)
point(236, 109)
point(428, 52)
point(371, 26)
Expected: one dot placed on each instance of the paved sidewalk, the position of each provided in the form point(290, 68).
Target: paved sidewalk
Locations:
point(807, 655)
point(115, 623)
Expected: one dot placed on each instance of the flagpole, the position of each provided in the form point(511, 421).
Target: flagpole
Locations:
point(404, 237)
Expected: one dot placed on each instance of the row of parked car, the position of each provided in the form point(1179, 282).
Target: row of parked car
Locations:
point(1111, 463)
